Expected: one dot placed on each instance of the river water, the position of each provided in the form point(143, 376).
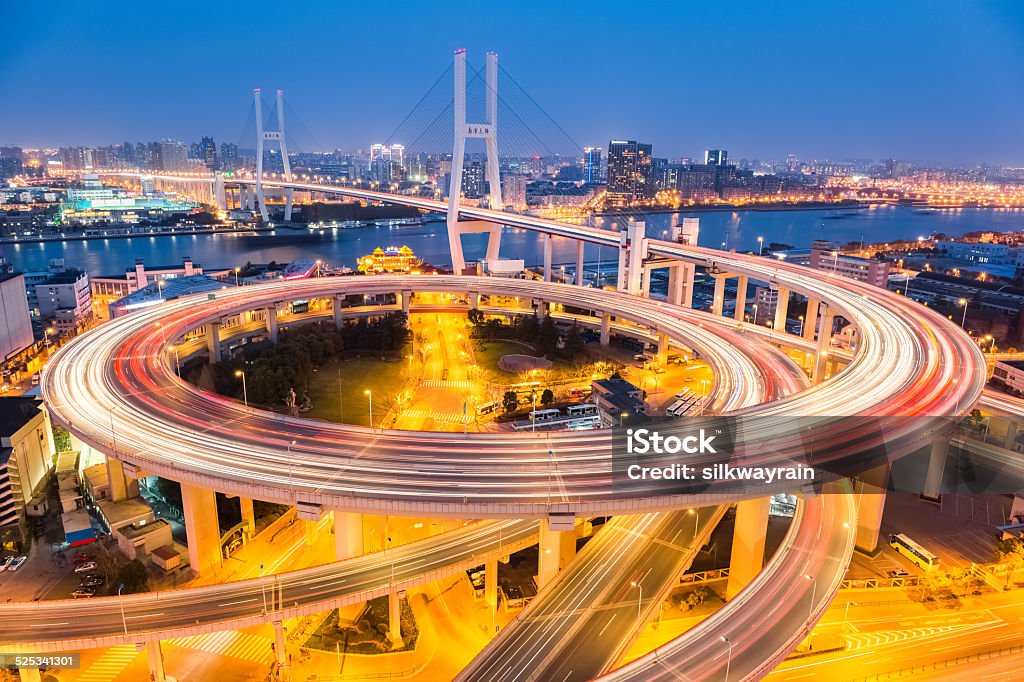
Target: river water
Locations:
point(737, 229)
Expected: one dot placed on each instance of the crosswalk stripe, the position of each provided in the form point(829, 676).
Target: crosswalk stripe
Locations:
point(109, 665)
point(228, 643)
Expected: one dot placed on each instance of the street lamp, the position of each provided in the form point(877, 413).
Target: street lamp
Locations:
point(113, 433)
point(963, 320)
point(533, 416)
point(236, 276)
point(290, 444)
point(846, 614)
point(369, 394)
point(801, 332)
point(245, 393)
point(810, 609)
point(263, 590)
point(177, 361)
point(160, 289)
point(639, 601)
point(696, 522)
point(124, 621)
point(760, 245)
point(728, 661)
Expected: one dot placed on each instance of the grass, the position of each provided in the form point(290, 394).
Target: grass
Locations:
point(489, 352)
point(385, 378)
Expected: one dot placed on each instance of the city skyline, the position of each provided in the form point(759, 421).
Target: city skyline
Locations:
point(771, 84)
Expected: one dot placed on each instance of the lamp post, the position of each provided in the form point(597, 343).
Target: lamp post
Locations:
point(810, 609)
point(760, 245)
point(124, 621)
point(728, 661)
point(639, 601)
point(160, 289)
point(846, 614)
point(236, 276)
point(290, 444)
point(177, 361)
point(963, 320)
point(245, 393)
point(369, 394)
point(801, 332)
point(696, 523)
point(263, 590)
point(533, 416)
point(113, 433)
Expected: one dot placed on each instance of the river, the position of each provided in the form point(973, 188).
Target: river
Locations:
point(739, 229)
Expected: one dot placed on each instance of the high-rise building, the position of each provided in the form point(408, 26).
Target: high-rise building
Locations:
point(513, 191)
point(173, 155)
point(229, 156)
point(629, 173)
point(209, 152)
point(15, 322)
point(473, 180)
point(716, 157)
point(592, 169)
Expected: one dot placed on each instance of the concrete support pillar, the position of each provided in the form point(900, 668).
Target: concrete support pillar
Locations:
point(870, 488)
point(823, 346)
point(199, 507)
point(339, 315)
point(279, 645)
point(676, 282)
point(936, 467)
point(557, 549)
point(118, 482)
point(348, 534)
point(719, 300)
point(312, 532)
point(375, 532)
point(405, 298)
point(606, 328)
point(547, 257)
point(747, 543)
point(741, 298)
point(811, 319)
point(662, 349)
point(645, 281)
point(491, 584)
point(30, 675)
point(248, 514)
point(272, 324)
point(155, 656)
point(213, 341)
point(395, 619)
point(578, 279)
point(1010, 439)
point(781, 309)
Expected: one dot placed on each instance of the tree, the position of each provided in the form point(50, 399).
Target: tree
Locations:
point(974, 419)
point(527, 328)
point(475, 316)
point(547, 397)
point(547, 336)
point(61, 438)
point(573, 343)
point(510, 401)
point(134, 577)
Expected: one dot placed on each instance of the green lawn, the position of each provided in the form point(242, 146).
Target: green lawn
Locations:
point(385, 379)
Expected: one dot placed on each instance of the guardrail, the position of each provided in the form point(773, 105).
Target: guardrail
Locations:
point(944, 664)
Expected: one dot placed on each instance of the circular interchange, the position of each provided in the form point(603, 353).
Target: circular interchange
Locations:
point(116, 384)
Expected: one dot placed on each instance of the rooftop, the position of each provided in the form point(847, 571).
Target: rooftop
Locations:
point(16, 412)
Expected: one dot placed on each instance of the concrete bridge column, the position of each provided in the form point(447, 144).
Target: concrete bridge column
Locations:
point(339, 315)
point(199, 507)
point(719, 299)
point(557, 548)
point(279, 645)
point(823, 346)
point(405, 298)
point(155, 656)
point(676, 282)
point(606, 328)
point(248, 515)
point(741, 298)
point(662, 349)
point(395, 618)
point(312, 532)
point(645, 281)
point(117, 479)
point(547, 257)
point(579, 263)
point(871, 489)
point(1010, 439)
point(936, 467)
point(213, 341)
point(30, 675)
point(491, 584)
point(747, 556)
point(272, 323)
point(810, 319)
point(781, 309)
point(348, 534)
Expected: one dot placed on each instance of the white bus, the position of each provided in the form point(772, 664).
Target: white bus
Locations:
point(913, 551)
point(487, 408)
point(540, 416)
point(584, 410)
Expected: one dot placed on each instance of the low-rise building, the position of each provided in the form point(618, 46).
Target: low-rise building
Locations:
point(825, 256)
point(26, 460)
point(164, 290)
point(1010, 375)
point(616, 399)
point(15, 321)
point(139, 540)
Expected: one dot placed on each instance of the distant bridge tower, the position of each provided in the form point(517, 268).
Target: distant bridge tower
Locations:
point(271, 135)
point(488, 131)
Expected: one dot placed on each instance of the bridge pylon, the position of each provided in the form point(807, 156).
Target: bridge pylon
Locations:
point(488, 131)
point(271, 136)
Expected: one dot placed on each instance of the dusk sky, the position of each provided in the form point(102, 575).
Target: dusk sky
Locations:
point(915, 80)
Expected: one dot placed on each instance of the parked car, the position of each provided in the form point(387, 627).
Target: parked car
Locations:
point(92, 581)
point(16, 564)
point(5, 563)
point(83, 557)
point(898, 573)
point(84, 592)
point(87, 566)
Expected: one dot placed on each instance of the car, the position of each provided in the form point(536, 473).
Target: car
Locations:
point(898, 573)
point(16, 564)
point(83, 557)
point(5, 562)
point(35, 379)
point(87, 566)
point(92, 581)
point(84, 592)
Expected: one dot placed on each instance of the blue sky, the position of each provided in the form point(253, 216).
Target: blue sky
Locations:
point(915, 80)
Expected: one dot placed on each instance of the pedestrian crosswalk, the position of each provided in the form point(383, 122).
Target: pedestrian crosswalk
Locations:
point(864, 640)
point(437, 383)
point(436, 415)
point(109, 665)
point(228, 643)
